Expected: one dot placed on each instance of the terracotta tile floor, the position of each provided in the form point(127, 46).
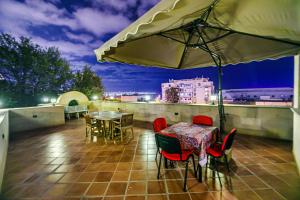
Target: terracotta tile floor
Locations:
point(60, 163)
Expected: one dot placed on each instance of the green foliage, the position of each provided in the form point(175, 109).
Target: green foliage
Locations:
point(31, 72)
point(87, 82)
point(172, 95)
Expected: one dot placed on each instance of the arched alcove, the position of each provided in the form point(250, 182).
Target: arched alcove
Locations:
point(72, 97)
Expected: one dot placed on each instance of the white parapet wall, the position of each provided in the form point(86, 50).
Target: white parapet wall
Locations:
point(30, 118)
point(265, 121)
point(4, 130)
point(17, 120)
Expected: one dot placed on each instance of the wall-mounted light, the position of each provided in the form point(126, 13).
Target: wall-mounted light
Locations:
point(53, 100)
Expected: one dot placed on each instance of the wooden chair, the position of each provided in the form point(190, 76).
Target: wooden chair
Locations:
point(90, 126)
point(123, 124)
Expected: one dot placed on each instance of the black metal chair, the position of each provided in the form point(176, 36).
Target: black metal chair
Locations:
point(158, 125)
point(171, 150)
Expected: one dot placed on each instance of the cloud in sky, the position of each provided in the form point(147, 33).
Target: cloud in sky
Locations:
point(78, 31)
point(100, 23)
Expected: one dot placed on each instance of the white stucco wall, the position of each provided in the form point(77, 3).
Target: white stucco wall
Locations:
point(296, 109)
point(273, 122)
point(30, 118)
point(3, 142)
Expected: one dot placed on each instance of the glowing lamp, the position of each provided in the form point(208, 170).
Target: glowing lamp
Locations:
point(53, 100)
point(147, 97)
point(95, 97)
point(45, 99)
point(213, 97)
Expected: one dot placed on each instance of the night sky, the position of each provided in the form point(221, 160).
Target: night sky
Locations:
point(79, 27)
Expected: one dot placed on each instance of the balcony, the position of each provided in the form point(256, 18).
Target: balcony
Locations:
point(59, 162)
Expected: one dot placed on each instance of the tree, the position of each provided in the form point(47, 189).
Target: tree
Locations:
point(87, 82)
point(172, 95)
point(31, 71)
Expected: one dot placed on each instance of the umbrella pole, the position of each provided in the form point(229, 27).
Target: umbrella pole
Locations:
point(220, 100)
point(218, 62)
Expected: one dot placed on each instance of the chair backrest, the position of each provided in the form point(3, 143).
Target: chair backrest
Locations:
point(127, 120)
point(202, 120)
point(88, 119)
point(228, 140)
point(159, 124)
point(168, 144)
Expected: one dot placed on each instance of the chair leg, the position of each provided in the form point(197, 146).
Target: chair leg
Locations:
point(132, 132)
point(158, 173)
point(185, 175)
point(121, 132)
point(217, 169)
point(166, 163)
point(199, 170)
point(91, 133)
point(207, 157)
point(156, 154)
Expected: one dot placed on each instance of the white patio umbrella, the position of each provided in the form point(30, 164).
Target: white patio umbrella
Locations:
point(183, 34)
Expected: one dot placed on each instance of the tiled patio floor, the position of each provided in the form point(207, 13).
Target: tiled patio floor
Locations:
point(60, 163)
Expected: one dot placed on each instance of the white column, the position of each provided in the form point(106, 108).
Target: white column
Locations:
point(296, 110)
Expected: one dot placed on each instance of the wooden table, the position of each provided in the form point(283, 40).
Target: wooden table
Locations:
point(107, 116)
point(194, 136)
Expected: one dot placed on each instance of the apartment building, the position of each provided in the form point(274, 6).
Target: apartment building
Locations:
point(196, 90)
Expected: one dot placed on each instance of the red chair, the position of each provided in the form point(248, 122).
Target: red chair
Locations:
point(171, 150)
point(217, 150)
point(206, 121)
point(202, 120)
point(158, 125)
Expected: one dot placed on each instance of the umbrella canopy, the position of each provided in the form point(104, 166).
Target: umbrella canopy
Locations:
point(184, 34)
point(238, 31)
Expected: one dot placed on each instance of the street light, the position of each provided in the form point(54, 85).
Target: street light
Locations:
point(213, 98)
point(147, 97)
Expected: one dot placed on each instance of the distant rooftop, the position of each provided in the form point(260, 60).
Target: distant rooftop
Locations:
point(128, 93)
point(277, 89)
point(191, 79)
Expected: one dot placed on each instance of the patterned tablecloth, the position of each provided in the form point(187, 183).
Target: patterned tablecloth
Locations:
point(193, 136)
